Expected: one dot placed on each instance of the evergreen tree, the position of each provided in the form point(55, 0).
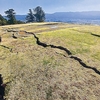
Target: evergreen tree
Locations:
point(11, 16)
point(3, 21)
point(30, 17)
point(39, 14)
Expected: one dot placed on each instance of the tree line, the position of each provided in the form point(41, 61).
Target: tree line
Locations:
point(35, 15)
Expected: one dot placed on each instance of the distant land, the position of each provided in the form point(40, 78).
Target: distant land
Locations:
point(85, 17)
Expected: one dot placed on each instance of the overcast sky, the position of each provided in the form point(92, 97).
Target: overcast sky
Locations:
point(49, 6)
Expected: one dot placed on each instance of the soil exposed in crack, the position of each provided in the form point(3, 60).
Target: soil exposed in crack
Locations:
point(67, 51)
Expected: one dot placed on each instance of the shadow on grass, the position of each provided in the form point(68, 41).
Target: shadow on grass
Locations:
point(2, 88)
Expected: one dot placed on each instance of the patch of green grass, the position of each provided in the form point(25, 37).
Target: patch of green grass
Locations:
point(80, 51)
point(46, 61)
point(67, 34)
point(96, 56)
point(75, 41)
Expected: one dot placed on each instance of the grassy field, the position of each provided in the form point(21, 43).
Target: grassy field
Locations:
point(37, 72)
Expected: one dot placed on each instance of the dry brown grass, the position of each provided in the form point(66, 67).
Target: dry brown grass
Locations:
point(38, 73)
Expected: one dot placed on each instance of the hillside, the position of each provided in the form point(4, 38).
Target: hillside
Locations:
point(50, 61)
point(90, 17)
point(75, 15)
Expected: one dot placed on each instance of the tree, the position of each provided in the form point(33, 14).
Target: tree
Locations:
point(30, 17)
point(3, 21)
point(39, 14)
point(11, 16)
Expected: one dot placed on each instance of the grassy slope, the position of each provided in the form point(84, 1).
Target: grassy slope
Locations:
point(38, 73)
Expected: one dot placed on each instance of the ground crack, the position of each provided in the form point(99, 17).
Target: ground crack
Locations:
point(10, 49)
point(52, 46)
point(95, 35)
point(67, 51)
point(84, 65)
